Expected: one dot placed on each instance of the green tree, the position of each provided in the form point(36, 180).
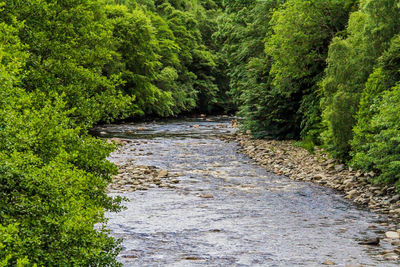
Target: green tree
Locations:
point(139, 57)
point(382, 150)
point(351, 60)
point(195, 73)
point(52, 175)
point(384, 78)
point(70, 42)
point(302, 32)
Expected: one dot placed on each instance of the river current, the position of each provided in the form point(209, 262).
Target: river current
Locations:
point(228, 211)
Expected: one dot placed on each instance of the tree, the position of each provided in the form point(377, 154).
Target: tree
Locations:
point(70, 42)
point(302, 32)
point(52, 174)
point(351, 60)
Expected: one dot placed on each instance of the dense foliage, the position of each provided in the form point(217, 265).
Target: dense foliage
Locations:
point(326, 72)
point(65, 66)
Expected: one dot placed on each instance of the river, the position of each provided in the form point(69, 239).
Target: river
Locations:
point(228, 211)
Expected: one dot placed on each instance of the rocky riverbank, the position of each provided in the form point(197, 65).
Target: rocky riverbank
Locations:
point(132, 177)
point(285, 158)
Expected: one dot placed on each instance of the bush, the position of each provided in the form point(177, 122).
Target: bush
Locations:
point(384, 148)
point(385, 76)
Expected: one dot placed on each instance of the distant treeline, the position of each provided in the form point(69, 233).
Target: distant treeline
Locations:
point(324, 71)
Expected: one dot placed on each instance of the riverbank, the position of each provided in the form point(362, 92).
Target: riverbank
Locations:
point(285, 158)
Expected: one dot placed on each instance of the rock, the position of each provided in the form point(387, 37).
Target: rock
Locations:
point(347, 181)
point(328, 263)
point(371, 242)
point(392, 235)
point(396, 243)
point(196, 126)
point(395, 211)
point(192, 258)
point(319, 176)
point(391, 256)
point(162, 174)
point(117, 141)
point(352, 194)
point(395, 199)
point(129, 256)
point(339, 168)
point(206, 196)
point(175, 181)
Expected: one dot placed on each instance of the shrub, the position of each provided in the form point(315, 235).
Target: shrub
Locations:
point(384, 148)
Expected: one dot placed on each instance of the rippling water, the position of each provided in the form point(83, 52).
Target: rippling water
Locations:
point(227, 211)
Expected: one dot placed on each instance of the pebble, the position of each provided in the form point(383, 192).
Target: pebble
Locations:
point(206, 196)
point(192, 258)
point(162, 174)
point(328, 263)
point(372, 241)
point(392, 235)
point(391, 256)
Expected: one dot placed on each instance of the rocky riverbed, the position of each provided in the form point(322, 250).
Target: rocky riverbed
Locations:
point(132, 177)
point(197, 200)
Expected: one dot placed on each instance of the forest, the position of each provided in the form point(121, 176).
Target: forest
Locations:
point(322, 72)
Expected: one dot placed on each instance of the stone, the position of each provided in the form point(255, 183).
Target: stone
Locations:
point(319, 176)
point(396, 243)
point(339, 168)
point(391, 256)
point(192, 258)
point(328, 263)
point(395, 199)
point(347, 181)
point(196, 126)
point(392, 235)
point(206, 196)
point(351, 194)
point(371, 242)
point(162, 174)
point(395, 211)
point(129, 256)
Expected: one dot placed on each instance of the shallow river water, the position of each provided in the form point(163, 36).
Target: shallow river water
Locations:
point(228, 211)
